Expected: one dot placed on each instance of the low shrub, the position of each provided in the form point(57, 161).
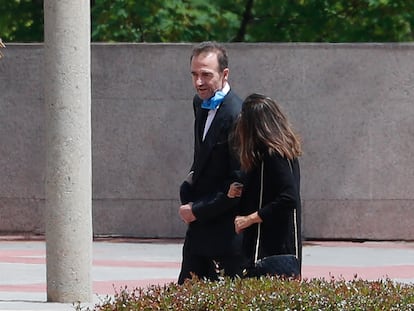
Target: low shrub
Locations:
point(265, 293)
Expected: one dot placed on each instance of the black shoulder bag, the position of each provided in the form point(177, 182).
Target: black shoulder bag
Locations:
point(276, 265)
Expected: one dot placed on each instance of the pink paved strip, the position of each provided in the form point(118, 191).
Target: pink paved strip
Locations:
point(30, 288)
point(368, 273)
point(23, 256)
point(111, 287)
point(21, 253)
point(365, 244)
point(99, 287)
point(12, 257)
point(136, 264)
point(25, 260)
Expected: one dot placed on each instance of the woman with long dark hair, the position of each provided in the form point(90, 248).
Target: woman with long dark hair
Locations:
point(268, 151)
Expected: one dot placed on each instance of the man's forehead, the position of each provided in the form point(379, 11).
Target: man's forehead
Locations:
point(204, 66)
point(203, 70)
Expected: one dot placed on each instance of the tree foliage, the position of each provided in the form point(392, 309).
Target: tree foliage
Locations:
point(225, 20)
point(332, 21)
point(163, 21)
point(21, 20)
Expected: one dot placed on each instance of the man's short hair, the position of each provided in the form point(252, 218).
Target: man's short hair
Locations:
point(212, 46)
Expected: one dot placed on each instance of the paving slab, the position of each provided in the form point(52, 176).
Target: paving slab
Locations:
point(131, 263)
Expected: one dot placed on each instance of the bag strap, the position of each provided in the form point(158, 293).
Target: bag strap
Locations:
point(295, 219)
point(256, 255)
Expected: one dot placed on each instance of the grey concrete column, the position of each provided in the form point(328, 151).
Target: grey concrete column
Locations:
point(68, 173)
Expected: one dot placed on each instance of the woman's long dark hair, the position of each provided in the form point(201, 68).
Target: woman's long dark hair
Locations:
point(263, 128)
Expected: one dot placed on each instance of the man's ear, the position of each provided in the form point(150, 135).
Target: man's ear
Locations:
point(225, 75)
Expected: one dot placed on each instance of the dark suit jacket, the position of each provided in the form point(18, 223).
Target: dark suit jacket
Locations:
point(213, 234)
point(280, 234)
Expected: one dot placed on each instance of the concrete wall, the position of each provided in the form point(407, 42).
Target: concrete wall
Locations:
point(351, 103)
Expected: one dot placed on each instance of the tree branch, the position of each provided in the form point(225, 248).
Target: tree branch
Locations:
point(247, 17)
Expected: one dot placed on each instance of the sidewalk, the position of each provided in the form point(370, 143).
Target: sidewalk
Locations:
point(138, 263)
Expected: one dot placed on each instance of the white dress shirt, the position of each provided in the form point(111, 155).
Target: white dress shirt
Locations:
point(212, 113)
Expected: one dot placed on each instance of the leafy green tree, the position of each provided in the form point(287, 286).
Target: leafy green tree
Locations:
point(226, 20)
point(331, 21)
point(21, 20)
point(163, 21)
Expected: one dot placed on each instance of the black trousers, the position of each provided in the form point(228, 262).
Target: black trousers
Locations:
point(209, 267)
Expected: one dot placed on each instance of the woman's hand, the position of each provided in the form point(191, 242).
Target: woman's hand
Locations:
point(235, 190)
point(243, 222)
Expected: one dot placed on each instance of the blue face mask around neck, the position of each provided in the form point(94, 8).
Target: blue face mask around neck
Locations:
point(213, 102)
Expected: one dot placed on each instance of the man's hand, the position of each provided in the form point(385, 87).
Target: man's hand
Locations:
point(186, 213)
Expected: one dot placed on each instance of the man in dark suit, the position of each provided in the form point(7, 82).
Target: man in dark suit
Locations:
point(211, 244)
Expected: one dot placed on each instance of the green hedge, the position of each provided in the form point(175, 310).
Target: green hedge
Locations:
point(265, 294)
